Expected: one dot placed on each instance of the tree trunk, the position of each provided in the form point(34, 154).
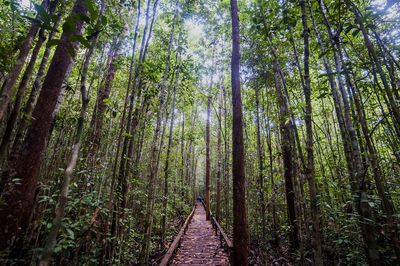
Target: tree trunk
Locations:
point(353, 158)
point(109, 248)
point(166, 167)
point(103, 95)
point(19, 197)
point(226, 161)
point(288, 155)
point(182, 173)
point(310, 173)
point(260, 152)
point(51, 239)
point(37, 86)
point(375, 60)
point(152, 168)
point(219, 162)
point(274, 233)
point(208, 161)
point(240, 227)
point(8, 85)
point(12, 120)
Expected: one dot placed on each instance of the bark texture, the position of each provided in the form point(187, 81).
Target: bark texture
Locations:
point(21, 175)
point(240, 226)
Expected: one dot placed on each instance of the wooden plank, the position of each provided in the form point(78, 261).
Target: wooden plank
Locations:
point(224, 235)
point(221, 231)
point(174, 246)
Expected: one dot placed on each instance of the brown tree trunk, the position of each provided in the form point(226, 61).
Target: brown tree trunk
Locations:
point(274, 233)
point(226, 161)
point(25, 164)
point(208, 161)
point(103, 94)
point(182, 174)
point(260, 181)
point(375, 60)
point(353, 157)
point(37, 86)
point(12, 120)
point(51, 239)
point(219, 159)
point(110, 247)
point(153, 165)
point(310, 173)
point(11, 79)
point(288, 155)
point(166, 167)
point(240, 226)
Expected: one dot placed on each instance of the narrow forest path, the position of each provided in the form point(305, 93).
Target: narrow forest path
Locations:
point(199, 245)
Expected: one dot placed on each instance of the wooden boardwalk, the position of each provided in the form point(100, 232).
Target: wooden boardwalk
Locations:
point(199, 245)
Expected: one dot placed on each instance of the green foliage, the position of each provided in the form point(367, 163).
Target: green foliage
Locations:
point(106, 210)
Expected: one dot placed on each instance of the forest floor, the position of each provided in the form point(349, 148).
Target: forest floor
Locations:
point(199, 245)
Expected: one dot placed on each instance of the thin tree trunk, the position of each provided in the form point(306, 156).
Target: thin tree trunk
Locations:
point(375, 60)
point(8, 85)
point(183, 181)
point(103, 95)
point(208, 161)
point(109, 248)
point(274, 233)
point(226, 160)
point(310, 170)
point(152, 168)
point(288, 154)
point(12, 120)
point(354, 163)
point(219, 162)
point(189, 151)
point(260, 181)
point(128, 143)
point(51, 239)
point(166, 167)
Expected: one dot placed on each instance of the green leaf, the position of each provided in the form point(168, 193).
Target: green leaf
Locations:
point(83, 17)
point(69, 25)
point(104, 20)
point(328, 74)
point(323, 95)
point(81, 39)
point(127, 135)
point(42, 13)
point(93, 12)
point(107, 101)
point(323, 54)
point(70, 233)
point(355, 32)
point(53, 42)
point(48, 27)
point(349, 28)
